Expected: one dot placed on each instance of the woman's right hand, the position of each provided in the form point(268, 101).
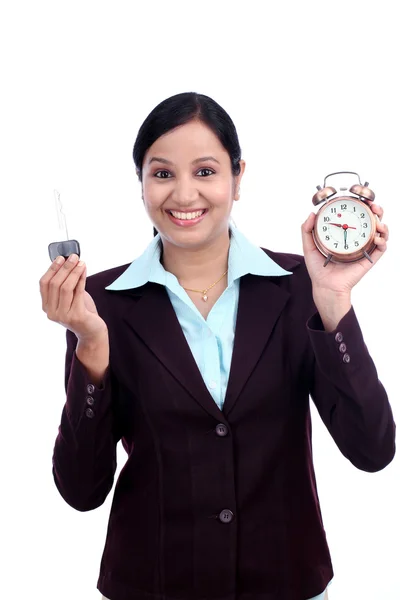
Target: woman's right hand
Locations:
point(66, 301)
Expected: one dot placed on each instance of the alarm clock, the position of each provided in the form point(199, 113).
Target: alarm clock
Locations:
point(345, 227)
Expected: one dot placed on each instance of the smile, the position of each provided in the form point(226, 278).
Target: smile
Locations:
point(186, 218)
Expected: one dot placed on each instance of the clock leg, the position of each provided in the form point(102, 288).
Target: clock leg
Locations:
point(368, 256)
point(328, 260)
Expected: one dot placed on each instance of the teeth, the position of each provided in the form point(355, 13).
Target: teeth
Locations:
point(187, 216)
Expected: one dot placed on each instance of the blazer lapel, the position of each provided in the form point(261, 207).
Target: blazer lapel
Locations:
point(261, 301)
point(153, 318)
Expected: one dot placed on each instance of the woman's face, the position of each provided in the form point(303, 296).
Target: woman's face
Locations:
point(188, 171)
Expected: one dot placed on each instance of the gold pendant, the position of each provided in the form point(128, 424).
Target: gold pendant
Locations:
point(205, 297)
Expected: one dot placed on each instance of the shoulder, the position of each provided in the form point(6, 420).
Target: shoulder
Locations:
point(294, 263)
point(96, 283)
point(285, 259)
point(298, 284)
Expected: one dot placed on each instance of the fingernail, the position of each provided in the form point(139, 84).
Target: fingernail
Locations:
point(59, 260)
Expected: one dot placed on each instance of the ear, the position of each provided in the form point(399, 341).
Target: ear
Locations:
point(238, 179)
point(138, 176)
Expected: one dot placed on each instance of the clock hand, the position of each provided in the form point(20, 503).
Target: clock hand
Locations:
point(344, 226)
point(345, 236)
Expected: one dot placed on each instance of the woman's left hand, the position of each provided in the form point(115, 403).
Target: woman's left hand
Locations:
point(338, 279)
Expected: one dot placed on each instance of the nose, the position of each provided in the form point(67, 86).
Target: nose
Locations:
point(184, 192)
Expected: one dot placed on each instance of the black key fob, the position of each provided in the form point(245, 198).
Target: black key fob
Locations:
point(64, 249)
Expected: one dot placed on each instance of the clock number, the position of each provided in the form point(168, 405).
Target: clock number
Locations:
point(346, 247)
point(362, 215)
point(336, 244)
point(365, 225)
point(324, 228)
point(363, 235)
point(356, 244)
point(343, 207)
point(327, 237)
point(354, 209)
point(326, 219)
point(333, 210)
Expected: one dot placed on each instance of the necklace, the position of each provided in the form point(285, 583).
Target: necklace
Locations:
point(204, 292)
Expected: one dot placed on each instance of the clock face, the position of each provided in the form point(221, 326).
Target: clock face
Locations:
point(344, 226)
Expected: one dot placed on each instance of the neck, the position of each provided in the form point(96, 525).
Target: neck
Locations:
point(197, 267)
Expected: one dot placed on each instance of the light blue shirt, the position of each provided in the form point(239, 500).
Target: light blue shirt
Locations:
point(211, 339)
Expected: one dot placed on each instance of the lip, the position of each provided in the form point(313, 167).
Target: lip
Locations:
point(186, 222)
point(185, 211)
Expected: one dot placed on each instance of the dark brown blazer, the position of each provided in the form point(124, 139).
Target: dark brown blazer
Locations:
point(211, 504)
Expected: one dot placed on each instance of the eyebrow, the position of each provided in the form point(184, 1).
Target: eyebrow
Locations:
point(194, 162)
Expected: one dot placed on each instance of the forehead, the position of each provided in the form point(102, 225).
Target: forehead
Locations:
point(186, 143)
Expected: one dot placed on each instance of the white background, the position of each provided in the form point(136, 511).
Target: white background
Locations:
point(312, 87)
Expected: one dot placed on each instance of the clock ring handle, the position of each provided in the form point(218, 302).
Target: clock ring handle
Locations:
point(342, 173)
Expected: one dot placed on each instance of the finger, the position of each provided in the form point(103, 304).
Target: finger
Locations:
point(56, 283)
point(383, 230)
point(71, 293)
point(376, 209)
point(45, 280)
point(67, 289)
point(307, 237)
point(380, 243)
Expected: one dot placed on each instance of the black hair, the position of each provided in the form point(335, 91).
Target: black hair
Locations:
point(178, 110)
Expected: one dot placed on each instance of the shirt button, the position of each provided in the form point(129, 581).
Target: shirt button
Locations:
point(89, 413)
point(90, 400)
point(339, 337)
point(212, 385)
point(221, 430)
point(346, 358)
point(342, 347)
point(226, 516)
point(90, 388)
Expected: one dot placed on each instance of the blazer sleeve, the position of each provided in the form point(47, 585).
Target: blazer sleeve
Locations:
point(351, 400)
point(84, 457)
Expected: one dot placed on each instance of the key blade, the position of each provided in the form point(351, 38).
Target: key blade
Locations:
point(62, 221)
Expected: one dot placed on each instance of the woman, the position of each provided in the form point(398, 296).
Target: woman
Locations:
point(200, 356)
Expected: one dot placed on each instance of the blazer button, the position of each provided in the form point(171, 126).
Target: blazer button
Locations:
point(342, 347)
point(226, 516)
point(221, 430)
point(89, 413)
point(346, 358)
point(90, 388)
point(339, 337)
point(90, 400)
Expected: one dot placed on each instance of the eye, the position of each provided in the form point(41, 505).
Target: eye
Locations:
point(210, 171)
point(161, 177)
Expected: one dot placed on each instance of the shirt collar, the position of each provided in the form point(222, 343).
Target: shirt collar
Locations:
point(244, 258)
